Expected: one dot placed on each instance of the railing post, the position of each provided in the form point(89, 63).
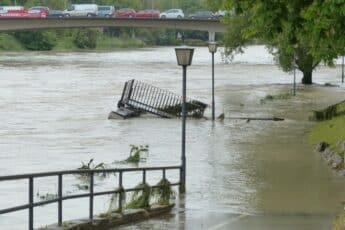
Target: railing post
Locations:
point(31, 202)
point(91, 196)
point(120, 191)
point(60, 200)
point(164, 176)
point(144, 176)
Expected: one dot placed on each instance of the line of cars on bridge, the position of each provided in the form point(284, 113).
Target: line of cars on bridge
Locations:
point(93, 10)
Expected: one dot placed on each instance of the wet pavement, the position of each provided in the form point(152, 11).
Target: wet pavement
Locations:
point(241, 175)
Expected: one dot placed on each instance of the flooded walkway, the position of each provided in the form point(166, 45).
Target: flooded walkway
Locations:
point(241, 175)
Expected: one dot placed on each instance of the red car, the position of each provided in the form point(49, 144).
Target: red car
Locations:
point(125, 13)
point(39, 9)
point(21, 14)
point(147, 14)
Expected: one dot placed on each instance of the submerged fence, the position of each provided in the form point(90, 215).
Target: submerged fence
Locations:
point(91, 194)
point(141, 96)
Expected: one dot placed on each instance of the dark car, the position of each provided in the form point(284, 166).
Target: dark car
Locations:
point(55, 14)
point(125, 13)
point(202, 15)
point(106, 11)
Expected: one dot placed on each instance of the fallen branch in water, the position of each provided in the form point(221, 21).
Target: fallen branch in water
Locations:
point(257, 118)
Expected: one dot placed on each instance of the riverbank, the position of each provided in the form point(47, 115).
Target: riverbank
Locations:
point(328, 134)
point(329, 137)
point(9, 42)
point(108, 39)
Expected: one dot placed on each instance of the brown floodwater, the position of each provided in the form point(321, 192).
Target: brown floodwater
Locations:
point(241, 175)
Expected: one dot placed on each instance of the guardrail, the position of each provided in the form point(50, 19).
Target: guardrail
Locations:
point(91, 173)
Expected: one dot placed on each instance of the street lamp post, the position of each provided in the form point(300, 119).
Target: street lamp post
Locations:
point(184, 58)
point(342, 70)
point(294, 74)
point(212, 46)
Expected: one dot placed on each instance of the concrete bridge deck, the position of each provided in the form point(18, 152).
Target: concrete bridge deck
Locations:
point(17, 24)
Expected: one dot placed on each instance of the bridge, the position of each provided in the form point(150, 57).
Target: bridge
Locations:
point(18, 24)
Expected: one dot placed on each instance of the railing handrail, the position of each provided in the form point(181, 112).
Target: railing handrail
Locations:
point(91, 194)
point(83, 171)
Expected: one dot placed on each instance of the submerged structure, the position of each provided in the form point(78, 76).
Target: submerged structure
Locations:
point(139, 97)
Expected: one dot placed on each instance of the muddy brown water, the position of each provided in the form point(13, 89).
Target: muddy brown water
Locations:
point(54, 107)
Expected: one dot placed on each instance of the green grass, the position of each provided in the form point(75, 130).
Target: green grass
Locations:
point(331, 131)
point(339, 223)
point(103, 43)
point(9, 43)
point(65, 44)
point(108, 43)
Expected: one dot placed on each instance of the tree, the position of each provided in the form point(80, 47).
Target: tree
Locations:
point(325, 26)
point(37, 40)
point(288, 28)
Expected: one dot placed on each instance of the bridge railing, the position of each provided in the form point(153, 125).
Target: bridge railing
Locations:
point(91, 194)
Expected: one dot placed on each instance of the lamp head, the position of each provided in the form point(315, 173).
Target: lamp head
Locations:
point(212, 47)
point(184, 56)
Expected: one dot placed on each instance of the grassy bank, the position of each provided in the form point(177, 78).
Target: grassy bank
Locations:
point(86, 40)
point(330, 131)
point(103, 43)
point(8, 42)
point(339, 223)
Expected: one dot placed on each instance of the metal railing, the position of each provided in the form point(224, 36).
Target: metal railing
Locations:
point(145, 97)
point(60, 197)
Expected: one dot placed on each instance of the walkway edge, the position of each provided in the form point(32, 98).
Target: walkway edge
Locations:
point(113, 220)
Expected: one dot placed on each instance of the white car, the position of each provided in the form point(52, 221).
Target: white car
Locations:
point(81, 10)
point(172, 13)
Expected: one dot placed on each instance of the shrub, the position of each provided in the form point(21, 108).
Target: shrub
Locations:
point(37, 40)
point(86, 38)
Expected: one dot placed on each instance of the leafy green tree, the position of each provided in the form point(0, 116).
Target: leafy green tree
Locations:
point(325, 23)
point(37, 40)
point(286, 27)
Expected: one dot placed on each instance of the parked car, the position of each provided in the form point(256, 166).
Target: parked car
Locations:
point(106, 11)
point(202, 15)
point(21, 14)
point(81, 10)
point(172, 13)
point(147, 14)
point(55, 14)
point(4, 9)
point(125, 13)
point(39, 9)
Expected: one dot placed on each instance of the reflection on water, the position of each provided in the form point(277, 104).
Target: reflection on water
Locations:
point(54, 111)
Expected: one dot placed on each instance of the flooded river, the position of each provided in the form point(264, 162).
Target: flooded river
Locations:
point(241, 175)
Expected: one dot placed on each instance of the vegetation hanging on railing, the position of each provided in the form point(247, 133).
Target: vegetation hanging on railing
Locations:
point(114, 202)
point(163, 192)
point(140, 198)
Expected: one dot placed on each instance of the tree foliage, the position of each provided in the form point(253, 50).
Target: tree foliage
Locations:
point(37, 40)
point(309, 31)
point(86, 38)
